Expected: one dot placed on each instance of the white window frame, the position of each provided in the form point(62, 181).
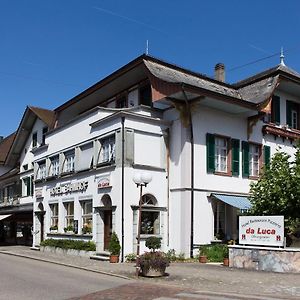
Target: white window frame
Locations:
point(221, 154)
point(69, 214)
point(254, 159)
point(148, 207)
point(41, 171)
point(54, 166)
point(107, 151)
point(87, 216)
point(69, 162)
point(54, 211)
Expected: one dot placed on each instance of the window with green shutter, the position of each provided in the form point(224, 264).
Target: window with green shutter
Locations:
point(275, 110)
point(210, 153)
point(235, 150)
point(267, 156)
point(245, 158)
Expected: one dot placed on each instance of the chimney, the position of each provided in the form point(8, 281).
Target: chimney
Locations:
point(220, 72)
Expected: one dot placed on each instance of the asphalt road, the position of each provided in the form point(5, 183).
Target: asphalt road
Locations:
point(22, 278)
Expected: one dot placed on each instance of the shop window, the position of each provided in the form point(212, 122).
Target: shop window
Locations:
point(41, 171)
point(87, 216)
point(85, 160)
point(69, 161)
point(54, 166)
point(54, 215)
point(107, 150)
point(69, 215)
point(150, 217)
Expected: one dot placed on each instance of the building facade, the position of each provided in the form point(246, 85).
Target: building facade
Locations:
point(202, 141)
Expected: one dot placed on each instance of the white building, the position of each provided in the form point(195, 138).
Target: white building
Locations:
point(202, 140)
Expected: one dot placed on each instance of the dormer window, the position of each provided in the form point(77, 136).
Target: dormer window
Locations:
point(121, 102)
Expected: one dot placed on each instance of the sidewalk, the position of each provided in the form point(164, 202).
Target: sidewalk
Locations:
point(204, 277)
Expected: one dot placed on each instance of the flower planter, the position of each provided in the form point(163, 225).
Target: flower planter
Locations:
point(203, 259)
point(226, 262)
point(114, 258)
point(153, 272)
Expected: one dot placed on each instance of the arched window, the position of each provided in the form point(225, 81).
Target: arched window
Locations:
point(150, 217)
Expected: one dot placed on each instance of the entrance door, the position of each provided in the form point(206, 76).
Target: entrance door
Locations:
point(107, 227)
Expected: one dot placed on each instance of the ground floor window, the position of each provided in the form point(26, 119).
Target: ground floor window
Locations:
point(69, 216)
point(87, 216)
point(150, 222)
point(219, 220)
point(54, 216)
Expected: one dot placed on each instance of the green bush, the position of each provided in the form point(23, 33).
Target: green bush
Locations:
point(114, 246)
point(130, 257)
point(153, 243)
point(214, 253)
point(70, 244)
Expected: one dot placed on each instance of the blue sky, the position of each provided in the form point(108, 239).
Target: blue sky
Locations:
point(52, 50)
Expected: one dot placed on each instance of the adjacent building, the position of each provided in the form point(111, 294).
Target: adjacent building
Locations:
point(203, 142)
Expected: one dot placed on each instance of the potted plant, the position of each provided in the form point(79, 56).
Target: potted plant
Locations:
point(69, 229)
point(153, 263)
point(114, 248)
point(225, 256)
point(86, 229)
point(203, 250)
point(54, 228)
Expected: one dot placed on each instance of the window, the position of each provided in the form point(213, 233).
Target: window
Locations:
point(149, 216)
point(25, 167)
point(254, 155)
point(41, 172)
point(145, 95)
point(121, 102)
point(107, 150)
point(34, 140)
point(223, 155)
point(69, 162)
point(69, 212)
point(27, 186)
point(219, 220)
point(54, 214)
point(292, 114)
point(54, 166)
point(1, 195)
point(87, 217)
point(275, 110)
point(45, 130)
point(85, 160)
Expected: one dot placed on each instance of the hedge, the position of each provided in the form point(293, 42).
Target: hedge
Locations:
point(70, 244)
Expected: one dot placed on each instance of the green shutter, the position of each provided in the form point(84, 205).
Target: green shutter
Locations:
point(210, 153)
point(245, 155)
point(267, 156)
point(276, 109)
point(289, 113)
point(235, 151)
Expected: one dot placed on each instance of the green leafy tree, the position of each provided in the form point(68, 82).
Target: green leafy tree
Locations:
point(277, 192)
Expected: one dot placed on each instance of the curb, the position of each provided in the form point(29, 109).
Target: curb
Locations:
point(66, 265)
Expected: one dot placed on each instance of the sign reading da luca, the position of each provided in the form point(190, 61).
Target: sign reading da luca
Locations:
point(261, 230)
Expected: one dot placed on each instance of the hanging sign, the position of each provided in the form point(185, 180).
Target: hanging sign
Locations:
point(261, 230)
point(103, 183)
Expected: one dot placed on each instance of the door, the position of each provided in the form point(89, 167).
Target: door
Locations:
point(107, 227)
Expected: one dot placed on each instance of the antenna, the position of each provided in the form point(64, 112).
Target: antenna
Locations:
point(147, 47)
point(282, 57)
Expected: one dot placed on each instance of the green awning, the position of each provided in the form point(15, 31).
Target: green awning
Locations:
point(241, 202)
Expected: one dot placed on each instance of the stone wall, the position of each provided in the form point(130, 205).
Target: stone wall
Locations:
point(286, 260)
point(73, 252)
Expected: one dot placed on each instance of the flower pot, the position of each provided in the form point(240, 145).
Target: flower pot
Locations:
point(226, 262)
point(114, 258)
point(153, 272)
point(203, 259)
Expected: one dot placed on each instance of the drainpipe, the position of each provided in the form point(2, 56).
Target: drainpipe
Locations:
point(192, 170)
point(122, 192)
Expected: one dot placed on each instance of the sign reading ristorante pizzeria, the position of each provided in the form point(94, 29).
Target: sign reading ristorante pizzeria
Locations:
point(67, 188)
point(261, 230)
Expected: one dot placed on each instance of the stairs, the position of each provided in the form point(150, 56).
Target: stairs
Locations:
point(102, 255)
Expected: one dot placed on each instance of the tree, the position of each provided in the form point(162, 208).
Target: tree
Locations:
point(277, 192)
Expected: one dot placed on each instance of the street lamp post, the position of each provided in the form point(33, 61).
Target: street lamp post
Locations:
point(140, 179)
